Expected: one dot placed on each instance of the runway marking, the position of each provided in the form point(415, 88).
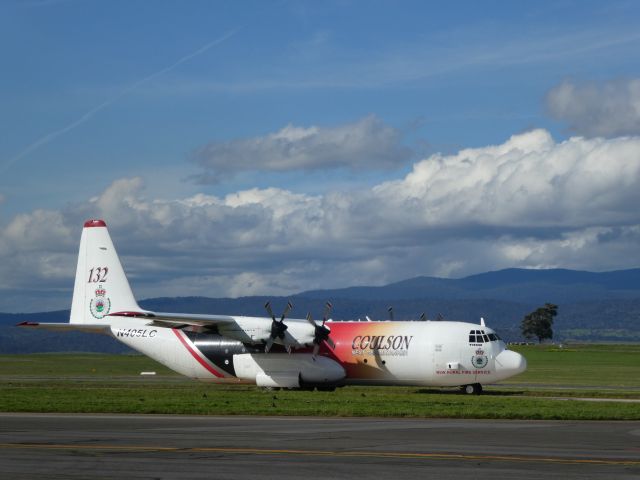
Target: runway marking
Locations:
point(323, 453)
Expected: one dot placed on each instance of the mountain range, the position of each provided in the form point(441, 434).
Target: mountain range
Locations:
point(602, 306)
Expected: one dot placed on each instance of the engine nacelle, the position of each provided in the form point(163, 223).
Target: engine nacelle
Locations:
point(255, 330)
point(287, 371)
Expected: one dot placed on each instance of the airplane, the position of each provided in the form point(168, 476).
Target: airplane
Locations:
point(280, 352)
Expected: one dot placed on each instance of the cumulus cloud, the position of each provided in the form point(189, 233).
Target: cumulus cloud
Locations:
point(365, 144)
point(528, 202)
point(528, 181)
point(609, 110)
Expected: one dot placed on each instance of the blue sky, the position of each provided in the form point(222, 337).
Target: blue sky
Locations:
point(201, 120)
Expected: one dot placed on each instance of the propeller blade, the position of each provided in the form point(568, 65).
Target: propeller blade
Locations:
point(316, 349)
point(390, 313)
point(287, 309)
point(288, 347)
point(331, 343)
point(268, 346)
point(310, 320)
point(327, 310)
point(423, 317)
point(267, 307)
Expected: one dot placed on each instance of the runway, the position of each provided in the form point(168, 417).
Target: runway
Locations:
point(161, 446)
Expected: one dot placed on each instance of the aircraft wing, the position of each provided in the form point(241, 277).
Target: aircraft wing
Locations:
point(228, 325)
point(244, 329)
point(178, 320)
point(175, 320)
point(68, 327)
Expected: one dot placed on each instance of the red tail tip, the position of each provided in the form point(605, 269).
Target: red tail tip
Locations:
point(94, 223)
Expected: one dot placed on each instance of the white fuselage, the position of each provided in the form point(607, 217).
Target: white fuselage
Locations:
point(366, 353)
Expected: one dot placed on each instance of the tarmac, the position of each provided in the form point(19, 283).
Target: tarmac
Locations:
point(73, 446)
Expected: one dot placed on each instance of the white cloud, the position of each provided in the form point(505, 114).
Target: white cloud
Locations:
point(529, 202)
point(529, 181)
point(610, 109)
point(365, 144)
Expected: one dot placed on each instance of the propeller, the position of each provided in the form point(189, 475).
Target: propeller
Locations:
point(278, 327)
point(321, 333)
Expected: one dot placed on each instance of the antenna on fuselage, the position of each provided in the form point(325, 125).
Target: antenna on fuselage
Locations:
point(390, 309)
point(423, 317)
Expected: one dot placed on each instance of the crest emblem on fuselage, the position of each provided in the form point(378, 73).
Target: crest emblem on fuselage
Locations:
point(479, 360)
point(100, 304)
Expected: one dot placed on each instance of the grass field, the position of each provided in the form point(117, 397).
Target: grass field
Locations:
point(111, 383)
point(611, 365)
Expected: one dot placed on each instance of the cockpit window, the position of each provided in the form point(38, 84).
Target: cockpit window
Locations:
point(479, 336)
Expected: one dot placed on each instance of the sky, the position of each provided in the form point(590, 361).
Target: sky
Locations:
point(242, 148)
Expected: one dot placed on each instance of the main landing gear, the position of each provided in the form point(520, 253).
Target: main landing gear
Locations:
point(472, 389)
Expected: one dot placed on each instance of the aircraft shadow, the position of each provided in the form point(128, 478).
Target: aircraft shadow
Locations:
point(486, 392)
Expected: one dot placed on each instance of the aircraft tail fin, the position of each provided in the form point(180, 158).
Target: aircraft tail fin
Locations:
point(101, 286)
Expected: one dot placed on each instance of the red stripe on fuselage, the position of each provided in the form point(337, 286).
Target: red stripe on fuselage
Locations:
point(194, 353)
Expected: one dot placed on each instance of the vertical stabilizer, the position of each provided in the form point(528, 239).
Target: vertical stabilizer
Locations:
point(101, 286)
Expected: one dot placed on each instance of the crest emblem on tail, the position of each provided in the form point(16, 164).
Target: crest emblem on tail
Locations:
point(100, 304)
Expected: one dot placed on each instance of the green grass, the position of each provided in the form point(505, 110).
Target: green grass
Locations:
point(111, 383)
point(195, 398)
point(613, 366)
point(61, 365)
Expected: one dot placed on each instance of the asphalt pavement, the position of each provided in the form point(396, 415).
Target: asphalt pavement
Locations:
point(73, 446)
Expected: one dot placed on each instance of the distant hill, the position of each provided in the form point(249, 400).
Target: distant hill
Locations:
point(593, 306)
point(513, 284)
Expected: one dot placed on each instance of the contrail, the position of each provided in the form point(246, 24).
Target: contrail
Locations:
point(56, 133)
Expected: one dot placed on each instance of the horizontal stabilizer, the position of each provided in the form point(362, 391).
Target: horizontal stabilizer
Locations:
point(69, 327)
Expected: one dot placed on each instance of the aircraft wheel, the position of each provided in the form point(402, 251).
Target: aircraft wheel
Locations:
point(472, 389)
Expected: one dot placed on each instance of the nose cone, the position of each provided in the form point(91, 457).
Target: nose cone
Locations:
point(509, 363)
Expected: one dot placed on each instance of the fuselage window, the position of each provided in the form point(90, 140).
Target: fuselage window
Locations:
point(493, 337)
point(485, 338)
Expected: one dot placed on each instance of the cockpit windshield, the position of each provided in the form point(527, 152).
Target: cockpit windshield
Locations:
point(479, 336)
